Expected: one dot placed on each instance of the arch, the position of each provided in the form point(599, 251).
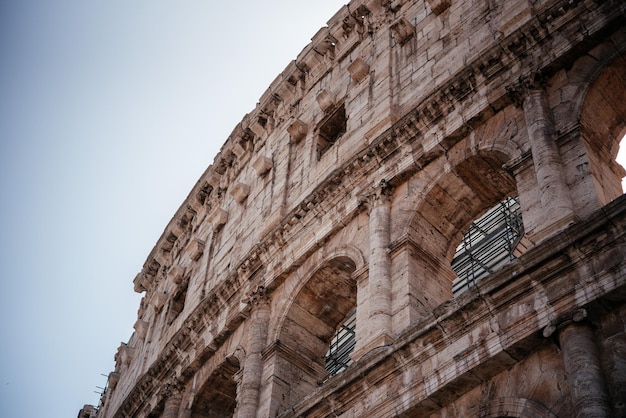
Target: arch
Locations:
point(293, 286)
point(492, 241)
point(319, 306)
point(217, 397)
point(451, 202)
point(586, 103)
point(456, 198)
point(603, 124)
point(502, 135)
point(346, 252)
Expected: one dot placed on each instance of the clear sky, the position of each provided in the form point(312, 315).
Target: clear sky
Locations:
point(110, 110)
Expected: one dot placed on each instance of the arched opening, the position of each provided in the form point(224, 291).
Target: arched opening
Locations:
point(466, 192)
point(217, 398)
point(317, 312)
point(603, 126)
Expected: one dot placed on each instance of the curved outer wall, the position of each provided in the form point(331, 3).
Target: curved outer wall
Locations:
point(350, 185)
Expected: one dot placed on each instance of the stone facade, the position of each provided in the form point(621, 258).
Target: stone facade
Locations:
point(349, 188)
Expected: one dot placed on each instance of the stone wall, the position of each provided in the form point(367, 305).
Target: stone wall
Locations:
point(350, 186)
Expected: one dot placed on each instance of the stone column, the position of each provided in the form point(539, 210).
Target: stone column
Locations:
point(379, 322)
point(249, 391)
point(172, 402)
point(582, 365)
point(553, 189)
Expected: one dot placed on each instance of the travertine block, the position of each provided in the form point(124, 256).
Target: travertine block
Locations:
point(141, 328)
point(439, 6)
point(325, 100)
point(262, 165)
point(358, 70)
point(196, 249)
point(218, 218)
point(240, 192)
point(297, 130)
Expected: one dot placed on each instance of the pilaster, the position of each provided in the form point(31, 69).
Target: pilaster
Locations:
point(581, 358)
point(378, 331)
point(557, 208)
point(249, 391)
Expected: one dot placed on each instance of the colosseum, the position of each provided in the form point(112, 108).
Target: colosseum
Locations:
point(421, 217)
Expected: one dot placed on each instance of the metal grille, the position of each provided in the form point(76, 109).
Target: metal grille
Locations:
point(341, 345)
point(488, 245)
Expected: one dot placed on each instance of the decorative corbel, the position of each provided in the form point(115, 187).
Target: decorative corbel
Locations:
point(139, 283)
point(240, 192)
point(325, 100)
point(358, 70)
point(297, 131)
point(218, 218)
point(439, 6)
point(196, 249)
point(402, 30)
point(262, 165)
point(141, 329)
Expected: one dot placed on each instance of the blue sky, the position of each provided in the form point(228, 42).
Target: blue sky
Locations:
point(109, 113)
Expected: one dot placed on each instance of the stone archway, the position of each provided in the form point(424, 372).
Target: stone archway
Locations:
point(217, 398)
point(512, 408)
point(455, 199)
point(603, 125)
point(320, 306)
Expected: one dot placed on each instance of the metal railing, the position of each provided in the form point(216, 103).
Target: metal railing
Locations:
point(488, 245)
point(337, 357)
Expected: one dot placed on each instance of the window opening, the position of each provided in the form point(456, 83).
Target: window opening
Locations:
point(342, 344)
point(331, 129)
point(489, 244)
point(177, 305)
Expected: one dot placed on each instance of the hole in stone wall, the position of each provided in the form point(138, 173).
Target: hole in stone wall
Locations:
point(331, 129)
point(177, 305)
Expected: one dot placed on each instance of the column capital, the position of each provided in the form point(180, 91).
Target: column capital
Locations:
point(520, 91)
point(575, 316)
point(259, 296)
point(172, 390)
point(375, 195)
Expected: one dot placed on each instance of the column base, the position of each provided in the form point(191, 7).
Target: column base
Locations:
point(549, 230)
point(377, 342)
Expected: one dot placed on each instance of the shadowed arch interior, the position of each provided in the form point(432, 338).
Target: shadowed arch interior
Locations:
point(603, 124)
point(218, 396)
point(459, 197)
point(318, 309)
point(320, 306)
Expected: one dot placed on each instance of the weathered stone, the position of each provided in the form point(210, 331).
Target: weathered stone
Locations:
point(344, 196)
